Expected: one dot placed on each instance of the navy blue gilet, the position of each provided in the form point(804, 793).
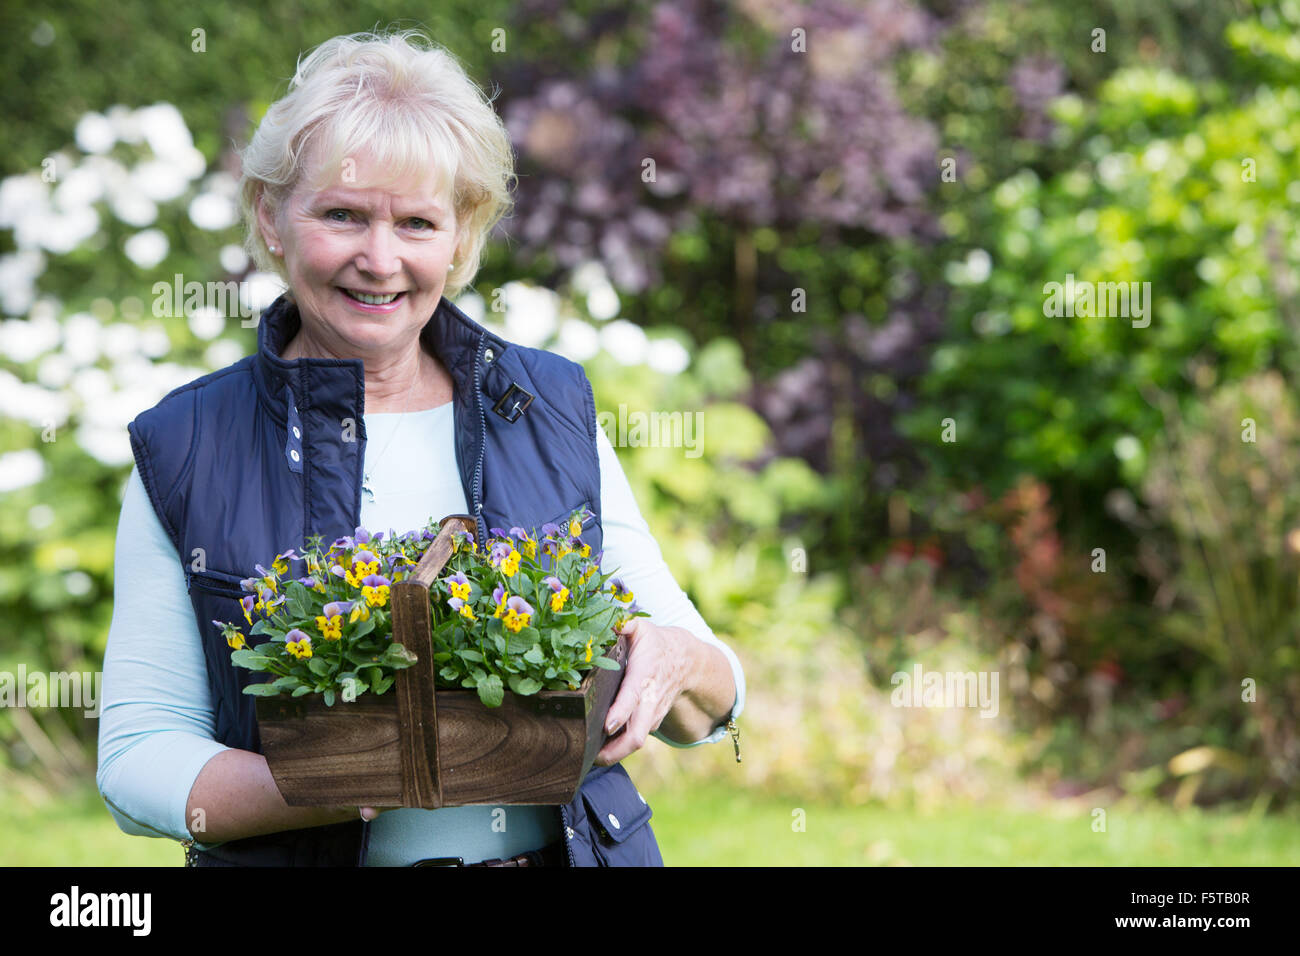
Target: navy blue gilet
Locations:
point(250, 460)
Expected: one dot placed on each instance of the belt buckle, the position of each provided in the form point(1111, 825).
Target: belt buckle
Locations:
point(441, 861)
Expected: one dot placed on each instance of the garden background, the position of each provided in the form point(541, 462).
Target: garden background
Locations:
point(839, 257)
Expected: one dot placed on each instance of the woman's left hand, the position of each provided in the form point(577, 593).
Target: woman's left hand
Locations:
point(659, 667)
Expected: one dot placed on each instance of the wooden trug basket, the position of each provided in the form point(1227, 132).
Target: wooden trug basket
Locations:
point(418, 746)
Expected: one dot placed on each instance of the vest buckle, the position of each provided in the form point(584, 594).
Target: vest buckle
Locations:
point(518, 408)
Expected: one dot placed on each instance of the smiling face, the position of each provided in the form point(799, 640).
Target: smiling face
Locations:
point(367, 260)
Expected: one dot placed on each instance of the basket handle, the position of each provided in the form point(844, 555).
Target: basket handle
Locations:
point(416, 690)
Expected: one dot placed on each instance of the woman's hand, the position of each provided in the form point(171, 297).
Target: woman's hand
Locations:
point(671, 677)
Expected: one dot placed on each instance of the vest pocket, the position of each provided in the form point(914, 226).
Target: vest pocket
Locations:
point(215, 582)
point(619, 819)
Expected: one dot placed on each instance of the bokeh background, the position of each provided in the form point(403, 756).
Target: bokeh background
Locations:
point(840, 262)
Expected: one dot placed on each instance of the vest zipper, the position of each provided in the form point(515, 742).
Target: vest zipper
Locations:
point(477, 490)
point(735, 736)
point(568, 834)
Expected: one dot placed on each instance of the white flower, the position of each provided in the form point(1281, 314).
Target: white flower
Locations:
point(625, 341)
point(147, 249)
point(95, 134)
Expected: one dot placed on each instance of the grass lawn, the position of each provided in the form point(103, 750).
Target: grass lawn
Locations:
point(719, 825)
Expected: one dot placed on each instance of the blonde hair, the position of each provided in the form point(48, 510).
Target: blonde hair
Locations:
point(413, 106)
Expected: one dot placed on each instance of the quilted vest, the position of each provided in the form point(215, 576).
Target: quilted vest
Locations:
point(250, 460)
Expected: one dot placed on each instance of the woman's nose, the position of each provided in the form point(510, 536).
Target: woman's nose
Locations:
point(378, 256)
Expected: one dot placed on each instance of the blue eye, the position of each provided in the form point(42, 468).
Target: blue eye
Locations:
point(330, 215)
point(416, 221)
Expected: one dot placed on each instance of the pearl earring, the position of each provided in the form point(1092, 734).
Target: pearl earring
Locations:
point(272, 248)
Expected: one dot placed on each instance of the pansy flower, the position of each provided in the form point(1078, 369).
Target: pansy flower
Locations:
point(268, 577)
point(561, 592)
point(331, 621)
point(526, 544)
point(631, 612)
point(499, 596)
point(298, 643)
point(458, 586)
point(462, 608)
point(518, 613)
point(510, 563)
point(375, 587)
point(619, 591)
point(499, 552)
point(281, 563)
point(247, 605)
point(234, 637)
point(363, 563)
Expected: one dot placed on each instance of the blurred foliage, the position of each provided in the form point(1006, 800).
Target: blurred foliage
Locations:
point(1222, 481)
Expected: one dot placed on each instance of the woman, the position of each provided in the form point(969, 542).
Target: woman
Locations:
point(372, 401)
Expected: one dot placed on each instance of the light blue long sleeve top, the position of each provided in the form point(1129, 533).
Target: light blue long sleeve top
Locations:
point(156, 719)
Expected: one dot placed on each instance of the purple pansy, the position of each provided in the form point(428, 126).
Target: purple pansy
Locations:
point(335, 608)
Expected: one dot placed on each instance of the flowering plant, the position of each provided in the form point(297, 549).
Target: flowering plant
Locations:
point(499, 617)
point(503, 618)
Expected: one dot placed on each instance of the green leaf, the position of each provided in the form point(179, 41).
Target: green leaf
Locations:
point(521, 642)
point(398, 656)
point(319, 666)
point(364, 627)
point(381, 685)
point(301, 690)
point(524, 685)
point(262, 627)
point(490, 691)
point(535, 655)
point(250, 659)
point(329, 698)
point(262, 690)
point(298, 600)
point(606, 663)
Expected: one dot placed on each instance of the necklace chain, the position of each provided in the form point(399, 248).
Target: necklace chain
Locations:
point(365, 484)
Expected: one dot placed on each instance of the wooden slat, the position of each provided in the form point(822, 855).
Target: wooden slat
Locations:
point(345, 755)
point(417, 710)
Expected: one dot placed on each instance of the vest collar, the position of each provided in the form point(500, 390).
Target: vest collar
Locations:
point(335, 388)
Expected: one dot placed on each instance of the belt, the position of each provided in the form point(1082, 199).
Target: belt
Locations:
point(553, 855)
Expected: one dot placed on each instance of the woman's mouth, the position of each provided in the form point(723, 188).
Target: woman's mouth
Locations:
point(370, 298)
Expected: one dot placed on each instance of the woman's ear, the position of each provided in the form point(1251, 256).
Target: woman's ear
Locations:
point(266, 222)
